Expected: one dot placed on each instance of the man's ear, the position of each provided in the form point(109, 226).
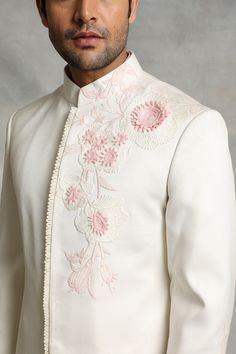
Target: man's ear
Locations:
point(42, 13)
point(134, 8)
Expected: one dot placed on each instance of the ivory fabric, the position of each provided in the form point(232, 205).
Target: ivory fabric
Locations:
point(117, 222)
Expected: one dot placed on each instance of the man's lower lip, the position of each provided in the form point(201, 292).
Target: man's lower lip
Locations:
point(87, 41)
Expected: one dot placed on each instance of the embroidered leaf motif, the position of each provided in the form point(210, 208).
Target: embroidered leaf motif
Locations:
point(87, 181)
point(78, 225)
point(104, 184)
point(106, 202)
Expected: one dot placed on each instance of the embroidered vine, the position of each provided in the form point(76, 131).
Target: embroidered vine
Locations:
point(98, 216)
point(140, 110)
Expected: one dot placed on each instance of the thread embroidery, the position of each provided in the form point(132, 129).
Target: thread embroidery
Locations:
point(98, 216)
point(148, 116)
point(124, 93)
point(146, 123)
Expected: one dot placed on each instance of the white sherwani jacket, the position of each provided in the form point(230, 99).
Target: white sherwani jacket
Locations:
point(117, 222)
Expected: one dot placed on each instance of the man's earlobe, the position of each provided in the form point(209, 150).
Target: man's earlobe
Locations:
point(133, 12)
point(44, 20)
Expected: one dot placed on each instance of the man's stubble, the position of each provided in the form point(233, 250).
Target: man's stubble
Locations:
point(97, 61)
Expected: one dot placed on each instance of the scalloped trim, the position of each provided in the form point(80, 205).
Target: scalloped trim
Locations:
point(48, 234)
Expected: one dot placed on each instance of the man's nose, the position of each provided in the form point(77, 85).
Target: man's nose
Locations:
point(86, 11)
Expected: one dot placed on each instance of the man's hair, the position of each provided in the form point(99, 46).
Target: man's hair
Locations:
point(43, 7)
point(45, 13)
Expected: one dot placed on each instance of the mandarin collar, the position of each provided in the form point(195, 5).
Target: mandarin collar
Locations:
point(107, 85)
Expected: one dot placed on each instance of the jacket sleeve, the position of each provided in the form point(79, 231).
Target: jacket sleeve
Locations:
point(11, 259)
point(201, 233)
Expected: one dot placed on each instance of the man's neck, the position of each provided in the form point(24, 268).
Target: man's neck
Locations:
point(83, 78)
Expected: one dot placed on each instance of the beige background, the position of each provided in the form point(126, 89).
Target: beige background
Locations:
point(189, 43)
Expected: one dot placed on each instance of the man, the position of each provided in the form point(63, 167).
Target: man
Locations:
point(133, 182)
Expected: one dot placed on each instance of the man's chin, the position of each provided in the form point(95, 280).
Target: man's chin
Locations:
point(90, 58)
point(84, 64)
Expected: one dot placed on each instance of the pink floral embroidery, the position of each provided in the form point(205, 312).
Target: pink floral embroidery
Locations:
point(100, 142)
point(89, 137)
point(148, 116)
point(100, 151)
point(108, 156)
point(80, 280)
point(120, 139)
point(83, 267)
point(72, 195)
point(96, 141)
point(98, 223)
point(99, 215)
point(91, 156)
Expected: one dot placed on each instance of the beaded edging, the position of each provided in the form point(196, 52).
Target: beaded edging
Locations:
point(48, 233)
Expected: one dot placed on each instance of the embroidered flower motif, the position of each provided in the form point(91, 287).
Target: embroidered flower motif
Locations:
point(99, 217)
point(73, 197)
point(120, 139)
point(100, 142)
point(148, 116)
point(102, 151)
point(108, 157)
point(143, 123)
point(82, 266)
point(98, 223)
point(96, 141)
point(91, 156)
point(99, 220)
point(89, 137)
point(76, 259)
